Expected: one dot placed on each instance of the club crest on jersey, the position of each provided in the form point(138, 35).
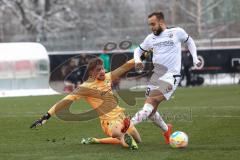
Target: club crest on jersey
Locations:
point(107, 82)
point(168, 88)
point(170, 35)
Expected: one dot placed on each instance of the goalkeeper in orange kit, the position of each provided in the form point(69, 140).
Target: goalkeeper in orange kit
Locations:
point(96, 90)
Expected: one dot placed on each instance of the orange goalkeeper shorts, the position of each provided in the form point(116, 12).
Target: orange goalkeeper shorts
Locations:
point(107, 125)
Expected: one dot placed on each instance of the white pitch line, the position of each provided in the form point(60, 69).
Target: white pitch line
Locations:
point(185, 107)
point(217, 116)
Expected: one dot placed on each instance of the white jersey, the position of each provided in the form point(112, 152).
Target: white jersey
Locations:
point(166, 48)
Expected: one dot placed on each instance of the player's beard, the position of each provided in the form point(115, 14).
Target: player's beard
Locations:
point(101, 78)
point(158, 31)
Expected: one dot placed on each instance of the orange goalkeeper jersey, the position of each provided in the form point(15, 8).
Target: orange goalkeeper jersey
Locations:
point(99, 93)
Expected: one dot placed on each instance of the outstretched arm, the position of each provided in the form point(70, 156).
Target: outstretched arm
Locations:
point(60, 105)
point(122, 69)
point(185, 38)
point(64, 103)
point(193, 50)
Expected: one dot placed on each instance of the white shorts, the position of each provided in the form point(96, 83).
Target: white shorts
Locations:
point(167, 84)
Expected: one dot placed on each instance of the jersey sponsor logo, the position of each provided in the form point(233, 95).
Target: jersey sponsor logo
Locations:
point(164, 43)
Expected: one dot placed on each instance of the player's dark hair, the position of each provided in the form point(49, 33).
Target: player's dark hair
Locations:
point(93, 63)
point(159, 15)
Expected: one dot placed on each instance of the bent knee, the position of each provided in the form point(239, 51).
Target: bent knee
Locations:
point(138, 140)
point(153, 100)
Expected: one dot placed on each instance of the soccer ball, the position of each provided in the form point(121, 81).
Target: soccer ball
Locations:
point(178, 139)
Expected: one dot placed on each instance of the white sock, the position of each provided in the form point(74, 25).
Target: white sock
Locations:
point(142, 114)
point(158, 121)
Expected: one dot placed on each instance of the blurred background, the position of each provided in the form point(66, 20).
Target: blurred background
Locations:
point(87, 25)
point(74, 31)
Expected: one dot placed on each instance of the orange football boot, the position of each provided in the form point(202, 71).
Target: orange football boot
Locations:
point(168, 133)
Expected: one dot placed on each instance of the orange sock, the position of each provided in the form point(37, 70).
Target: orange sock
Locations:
point(109, 140)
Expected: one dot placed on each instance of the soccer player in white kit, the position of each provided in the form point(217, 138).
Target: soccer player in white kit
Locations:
point(165, 44)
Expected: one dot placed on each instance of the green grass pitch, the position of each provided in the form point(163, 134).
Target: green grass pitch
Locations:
point(209, 115)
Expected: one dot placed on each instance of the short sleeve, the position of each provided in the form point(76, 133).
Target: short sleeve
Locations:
point(146, 44)
point(182, 35)
point(76, 94)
